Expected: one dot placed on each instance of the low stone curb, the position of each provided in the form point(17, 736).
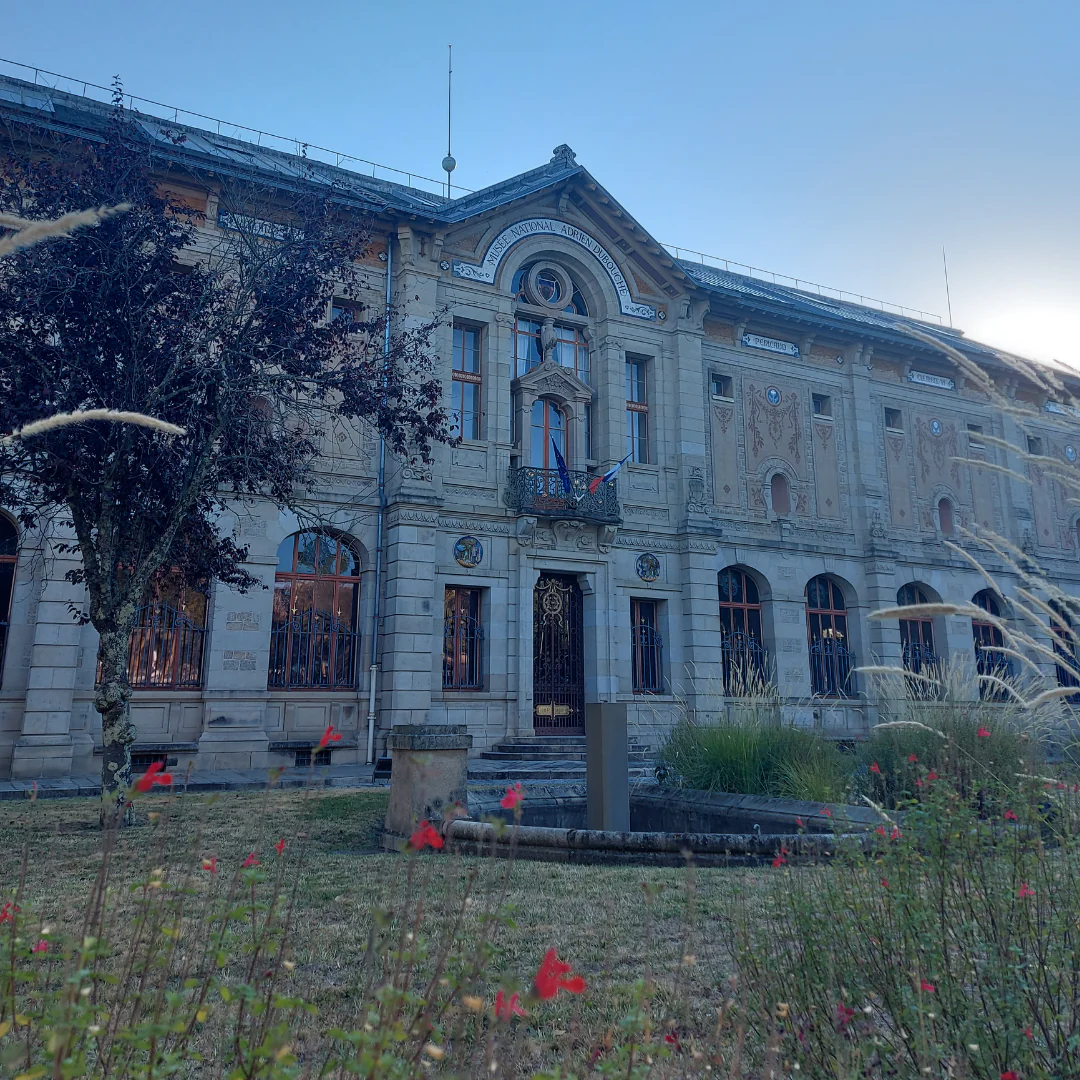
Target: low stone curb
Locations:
point(649, 848)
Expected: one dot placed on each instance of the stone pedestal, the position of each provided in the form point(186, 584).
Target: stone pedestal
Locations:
point(429, 775)
point(607, 772)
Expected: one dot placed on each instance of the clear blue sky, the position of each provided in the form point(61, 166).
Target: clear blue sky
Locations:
point(843, 142)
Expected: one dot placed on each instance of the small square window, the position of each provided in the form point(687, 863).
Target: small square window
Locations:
point(347, 310)
point(723, 387)
point(1035, 445)
point(975, 443)
point(822, 407)
point(894, 420)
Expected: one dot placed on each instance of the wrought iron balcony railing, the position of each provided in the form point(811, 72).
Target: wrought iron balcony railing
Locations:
point(541, 492)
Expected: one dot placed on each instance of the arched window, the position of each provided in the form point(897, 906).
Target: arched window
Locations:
point(315, 636)
point(831, 659)
point(989, 640)
point(167, 643)
point(9, 558)
point(781, 498)
point(1065, 641)
point(945, 517)
point(169, 637)
point(548, 423)
point(916, 634)
point(741, 648)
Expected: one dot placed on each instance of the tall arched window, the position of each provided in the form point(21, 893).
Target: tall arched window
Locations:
point(781, 497)
point(989, 640)
point(831, 659)
point(315, 635)
point(945, 517)
point(916, 634)
point(741, 649)
point(1065, 639)
point(548, 423)
point(9, 557)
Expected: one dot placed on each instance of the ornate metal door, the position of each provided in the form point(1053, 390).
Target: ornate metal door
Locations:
point(558, 657)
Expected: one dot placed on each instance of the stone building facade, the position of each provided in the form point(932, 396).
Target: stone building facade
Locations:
point(791, 468)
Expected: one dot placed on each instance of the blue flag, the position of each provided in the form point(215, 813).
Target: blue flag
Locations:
point(564, 472)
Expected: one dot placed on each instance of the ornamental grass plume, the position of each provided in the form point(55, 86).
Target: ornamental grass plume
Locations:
point(26, 232)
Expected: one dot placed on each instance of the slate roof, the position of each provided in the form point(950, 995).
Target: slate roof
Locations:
point(86, 116)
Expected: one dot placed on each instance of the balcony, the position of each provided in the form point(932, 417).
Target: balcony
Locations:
point(540, 492)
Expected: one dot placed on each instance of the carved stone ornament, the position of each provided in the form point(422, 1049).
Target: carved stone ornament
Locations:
point(567, 532)
point(605, 537)
point(526, 531)
point(877, 526)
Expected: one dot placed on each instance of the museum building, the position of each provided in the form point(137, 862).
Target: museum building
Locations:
point(788, 466)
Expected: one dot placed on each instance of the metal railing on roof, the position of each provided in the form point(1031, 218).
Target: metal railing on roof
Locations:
point(825, 291)
point(224, 128)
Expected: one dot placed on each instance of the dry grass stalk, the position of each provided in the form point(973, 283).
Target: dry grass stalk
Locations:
point(27, 233)
point(81, 416)
point(993, 466)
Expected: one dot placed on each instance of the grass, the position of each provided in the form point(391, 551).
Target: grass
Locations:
point(594, 915)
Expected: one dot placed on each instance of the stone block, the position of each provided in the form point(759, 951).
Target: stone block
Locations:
point(607, 766)
point(429, 776)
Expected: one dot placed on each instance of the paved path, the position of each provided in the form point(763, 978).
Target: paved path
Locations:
point(482, 774)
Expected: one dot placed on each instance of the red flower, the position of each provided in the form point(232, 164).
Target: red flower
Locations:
point(931, 776)
point(551, 977)
point(983, 733)
point(250, 861)
point(880, 830)
point(508, 1007)
point(895, 834)
point(912, 758)
point(279, 847)
point(1010, 816)
point(875, 768)
point(672, 1039)
point(210, 864)
point(826, 812)
point(884, 883)
point(7, 912)
point(844, 1016)
point(918, 783)
point(41, 946)
point(1009, 1075)
point(152, 776)
point(513, 797)
point(328, 736)
point(1027, 1033)
point(1025, 891)
point(798, 821)
point(779, 860)
point(927, 987)
point(425, 834)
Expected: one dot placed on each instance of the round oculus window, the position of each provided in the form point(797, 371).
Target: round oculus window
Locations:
point(548, 286)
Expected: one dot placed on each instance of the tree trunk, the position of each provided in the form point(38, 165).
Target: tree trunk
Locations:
point(117, 732)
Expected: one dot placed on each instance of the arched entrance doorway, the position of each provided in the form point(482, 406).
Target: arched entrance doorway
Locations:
point(558, 657)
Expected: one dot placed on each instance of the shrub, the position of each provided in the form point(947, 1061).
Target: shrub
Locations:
point(755, 759)
point(950, 950)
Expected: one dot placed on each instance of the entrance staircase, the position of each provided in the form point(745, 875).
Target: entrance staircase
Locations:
point(549, 757)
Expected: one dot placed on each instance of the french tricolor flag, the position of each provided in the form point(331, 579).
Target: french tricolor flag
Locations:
point(596, 481)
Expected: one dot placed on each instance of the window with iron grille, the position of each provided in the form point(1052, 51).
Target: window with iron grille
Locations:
point(637, 410)
point(167, 641)
point(9, 557)
point(990, 662)
point(741, 649)
point(647, 647)
point(463, 639)
point(314, 636)
point(831, 660)
point(466, 385)
point(1067, 669)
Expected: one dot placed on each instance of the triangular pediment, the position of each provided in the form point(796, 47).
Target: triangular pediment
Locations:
point(563, 192)
point(549, 379)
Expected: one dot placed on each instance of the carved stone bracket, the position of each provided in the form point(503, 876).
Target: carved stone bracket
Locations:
point(605, 537)
point(526, 531)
